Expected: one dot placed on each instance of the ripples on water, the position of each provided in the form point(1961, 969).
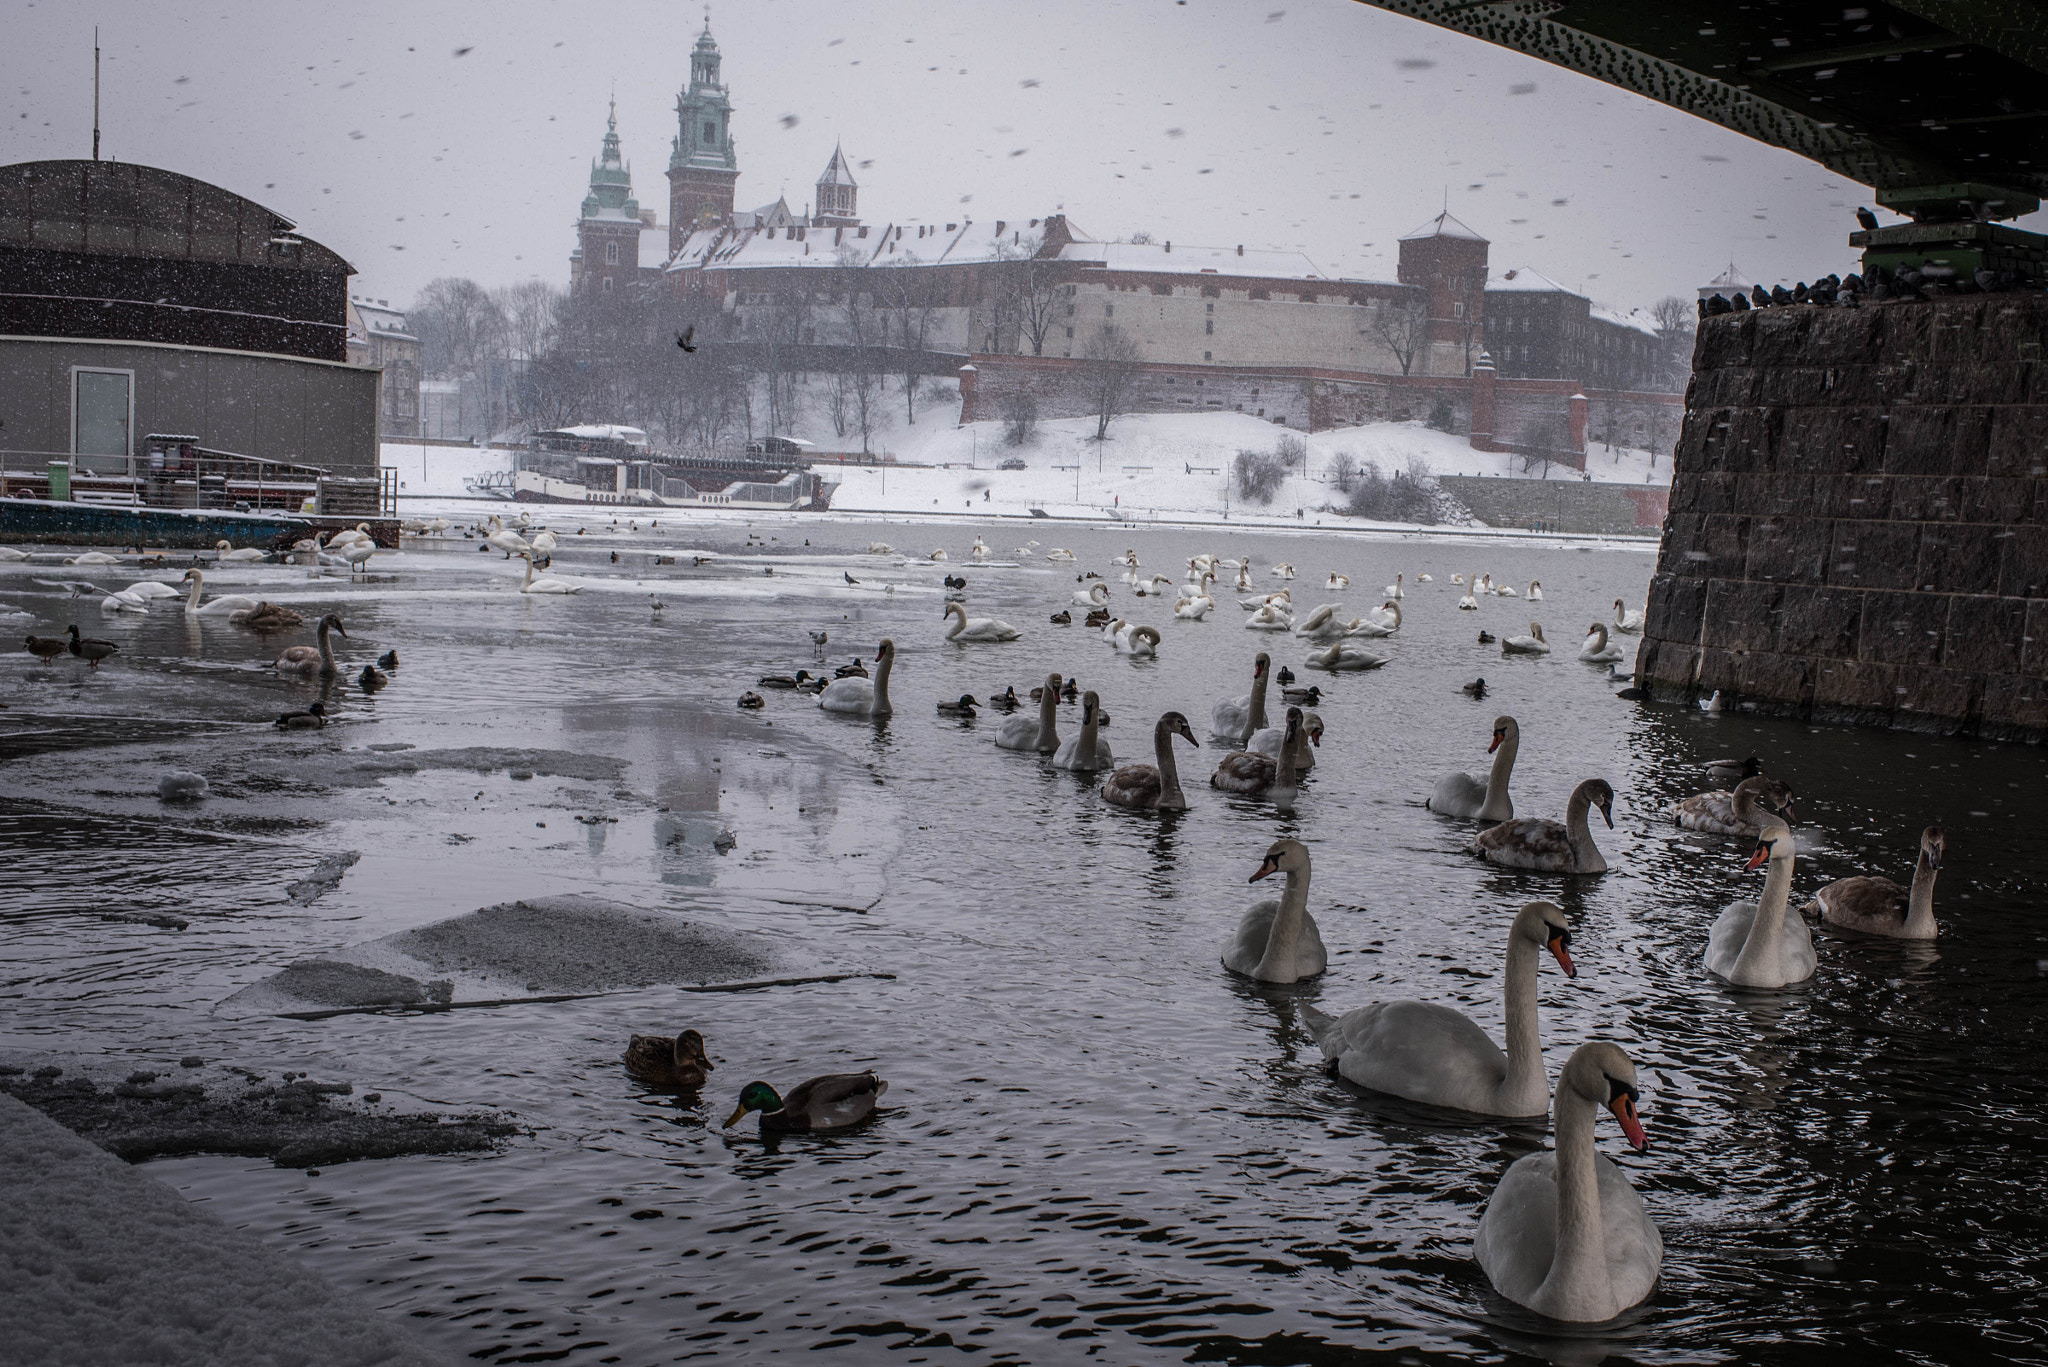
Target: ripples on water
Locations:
point(1097, 1144)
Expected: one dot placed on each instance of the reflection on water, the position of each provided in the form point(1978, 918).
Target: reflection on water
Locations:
point(1096, 1142)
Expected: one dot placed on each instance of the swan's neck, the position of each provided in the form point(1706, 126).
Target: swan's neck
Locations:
point(1578, 1286)
point(959, 616)
point(1920, 904)
point(1524, 1088)
point(192, 603)
point(1259, 702)
point(1048, 721)
point(326, 650)
point(1170, 794)
point(529, 574)
point(1286, 778)
point(1599, 638)
point(1759, 957)
point(1088, 732)
point(881, 702)
point(1579, 831)
point(1278, 964)
point(1497, 806)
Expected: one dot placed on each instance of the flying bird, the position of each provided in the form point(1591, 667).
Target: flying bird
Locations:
point(686, 337)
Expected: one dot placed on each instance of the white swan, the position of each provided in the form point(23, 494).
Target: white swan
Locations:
point(1283, 571)
point(1271, 617)
point(1158, 586)
point(863, 697)
point(228, 603)
point(939, 554)
point(1236, 718)
point(1140, 643)
point(546, 583)
point(1439, 1056)
point(1346, 656)
point(228, 552)
point(1470, 602)
point(1464, 795)
point(880, 548)
point(1153, 787)
point(1095, 596)
point(1059, 553)
point(1393, 590)
point(1535, 590)
point(1277, 941)
point(1422, 579)
point(1626, 619)
point(1256, 775)
point(980, 550)
point(1547, 846)
point(1322, 623)
point(1483, 584)
point(1758, 944)
point(1385, 622)
point(1339, 581)
point(1267, 741)
point(1194, 608)
point(1505, 591)
point(358, 553)
point(1878, 906)
point(10, 554)
point(509, 542)
point(1088, 751)
point(1457, 579)
point(1597, 648)
point(1040, 733)
point(965, 629)
point(1564, 1233)
point(544, 543)
point(93, 558)
point(1532, 644)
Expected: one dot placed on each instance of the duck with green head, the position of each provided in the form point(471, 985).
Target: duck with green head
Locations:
point(837, 1101)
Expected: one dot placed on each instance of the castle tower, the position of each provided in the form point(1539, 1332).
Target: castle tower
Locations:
point(1447, 261)
point(701, 167)
point(838, 195)
point(607, 254)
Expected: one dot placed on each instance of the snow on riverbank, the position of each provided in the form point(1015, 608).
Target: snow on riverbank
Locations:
point(439, 471)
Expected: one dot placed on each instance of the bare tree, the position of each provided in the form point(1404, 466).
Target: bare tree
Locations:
point(459, 326)
point(1040, 298)
point(785, 328)
point(1343, 471)
point(1546, 436)
point(865, 330)
point(1020, 417)
point(1676, 321)
point(1400, 327)
point(1112, 365)
point(531, 310)
point(912, 297)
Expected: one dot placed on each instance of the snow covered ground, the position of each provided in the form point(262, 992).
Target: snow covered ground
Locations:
point(439, 471)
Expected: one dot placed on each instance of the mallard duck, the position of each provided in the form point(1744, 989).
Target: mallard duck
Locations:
point(836, 1101)
point(1475, 689)
point(963, 708)
point(1063, 618)
point(784, 680)
point(814, 684)
point(1005, 701)
point(316, 715)
point(856, 670)
point(372, 679)
point(87, 649)
point(1097, 618)
point(665, 1062)
point(47, 648)
point(752, 701)
point(388, 660)
point(1312, 695)
point(267, 617)
point(1487, 638)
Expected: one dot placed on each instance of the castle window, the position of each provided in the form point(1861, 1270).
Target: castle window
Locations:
point(1109, 310)
point(1208, 325)
point(711, 132)
point(611, 253)
point(607, 284)
point(1205, 356)
point(1210, 307)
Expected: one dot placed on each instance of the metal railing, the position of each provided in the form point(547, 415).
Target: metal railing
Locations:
point(181, 475)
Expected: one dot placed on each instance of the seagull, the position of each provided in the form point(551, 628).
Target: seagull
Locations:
point(818, 643)
point(686, 336)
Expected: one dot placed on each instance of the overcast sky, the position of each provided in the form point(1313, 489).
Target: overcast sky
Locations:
point(432, 139)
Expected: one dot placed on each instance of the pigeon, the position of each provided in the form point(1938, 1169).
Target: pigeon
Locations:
point(1739, 304)
point(1716, 306)
point(1758, 298)
point(1780, 295)
point(849, 578)
point(1866, 218)
point(686, 337)
point(1800, 293)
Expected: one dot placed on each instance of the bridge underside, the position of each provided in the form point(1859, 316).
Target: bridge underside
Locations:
point(1941, 106)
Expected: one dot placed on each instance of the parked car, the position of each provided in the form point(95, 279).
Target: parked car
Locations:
point(1013, 463)
point(778, 446)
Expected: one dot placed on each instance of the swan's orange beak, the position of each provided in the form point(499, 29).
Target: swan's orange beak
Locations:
point(1560, 946)
point(1624, 1108)
point(1315, 738)
point(1270, 866)
point(1758, 860)
point(1498, 737)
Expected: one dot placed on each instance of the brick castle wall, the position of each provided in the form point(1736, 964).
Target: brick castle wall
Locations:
point(1859, 518)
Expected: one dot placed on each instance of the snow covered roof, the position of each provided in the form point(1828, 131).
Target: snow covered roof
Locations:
point(1443, 225)
point(835, 172)
point(1730, 281)
point(377, 316)
point(614, 431)
point(1165, 258)
point(1528, 281)
point(931, 244)
point(1635, 319)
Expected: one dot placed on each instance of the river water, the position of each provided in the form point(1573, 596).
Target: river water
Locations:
point(1096, 1144)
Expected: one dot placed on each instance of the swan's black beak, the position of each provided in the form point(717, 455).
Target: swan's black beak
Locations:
point(1607, 812)
point(1271, 865)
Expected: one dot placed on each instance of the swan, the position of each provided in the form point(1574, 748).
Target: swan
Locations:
point(1423, 579)
point(1505, 591)
point(1758, 944)
point(1086, 752)
point(1457, 579)
point(1284, 571)
point(126, 600)
point(1267, 741)
point(965, 628)
point(308, 661)
point(1322, 624)
point(228, 604)
point(880, 548)
point(979, 552)
point(1236, 718)
point(1059, 553)
point(1244, 577)
point(509, 542)
point(1256, 775)
point(1598, 649)
point(93, 558)
point(1393, 590)
point(1040, 733)
point(1532, 644)
point(1385, 622)
point(1736, 813)
point(1346, 655)
point(1469, 603)
point(228, 552)
point(1096, 596)
point(10, 554)
point(1546, 846)
point(1878, 906)
point(1339, 581)
point(1464, 795)
point(1439, 1056)
point(547, 583)
point(1483, 584)
point(1277, 941)
point(1535, 594)
point(1194, 608)
point(1627, 620)
point(544, 544)
point(1271, 617)
point(1153, 787)
point(1564, 1233)
point(358, 553)
point(1140, 643)
point(1158, 586)
point(858, 696)
point(1734, 770)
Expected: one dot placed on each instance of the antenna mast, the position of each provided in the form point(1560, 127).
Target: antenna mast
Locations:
point(95, 92)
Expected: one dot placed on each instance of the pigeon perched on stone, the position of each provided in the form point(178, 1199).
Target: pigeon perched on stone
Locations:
point(1740, 303)
point(1866, 218)
point(1703, 308)
point(1800, 293)
point(1718, 305)
point(1853, 281)
point(1780, 295)
point(1759, 299)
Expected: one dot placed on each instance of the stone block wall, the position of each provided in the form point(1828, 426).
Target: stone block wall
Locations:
point(1561, 505)
point(1859, 518)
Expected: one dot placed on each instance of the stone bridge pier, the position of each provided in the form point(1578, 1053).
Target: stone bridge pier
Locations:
point(1859, 518)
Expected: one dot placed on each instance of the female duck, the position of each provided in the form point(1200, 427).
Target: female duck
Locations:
point(1153, 787)
point(664, 1062)
point(1564, 1233)
point(1546, 846)
point(307, 661)
point(1440, 1057)
point(1277, 941)
point(1040, 733)
point(1464, 795)
point(836, 1101)
point(863, 697)
point(1878, 906)
point(1086, 752)
point(1758, 944)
